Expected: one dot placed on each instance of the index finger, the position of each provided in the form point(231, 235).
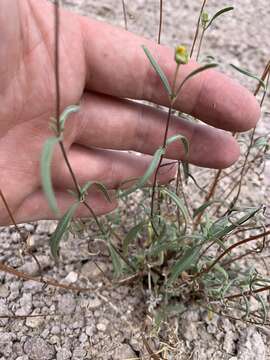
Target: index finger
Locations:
point(117, 66)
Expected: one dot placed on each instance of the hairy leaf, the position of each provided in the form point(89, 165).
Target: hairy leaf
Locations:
point(193, 73)
point(248, 73)
point(46, 159)
point(66, 113)
point(178, 203)
point(204, 206)
point(99, 185)
point(62, 227)
point(220, 12)
point(149, 172)
point(183, 264)
point(131, 235)
point(117, 261)
point(158, 70)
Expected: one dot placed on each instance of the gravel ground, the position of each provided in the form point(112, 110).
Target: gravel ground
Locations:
point(106, 322)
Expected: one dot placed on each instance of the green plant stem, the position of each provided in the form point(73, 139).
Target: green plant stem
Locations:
point(160, 20)
point(58, 110)
point(164, 142)
point(160, 161)
point(200, 44)
point(197, 28)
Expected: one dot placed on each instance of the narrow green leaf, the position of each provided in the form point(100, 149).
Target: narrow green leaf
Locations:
point(248, 73)
point(220, 12)
point(143, 180)
point(185, 143)
point(260, 299)
point(178, 203)
point(183, 264)
point(66, 113)
point(62, 227)
point(131, 235)
point(261, 141)
point(223, 226)
point(222, 271)
point(182, 139)
point(193, 73)
point(117, 262)
point(205, 206)
point(99, 185)
point(247, 306)
point(158, 70)
point(46, 159)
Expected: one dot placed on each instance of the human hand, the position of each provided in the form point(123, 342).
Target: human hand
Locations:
point(100, 66)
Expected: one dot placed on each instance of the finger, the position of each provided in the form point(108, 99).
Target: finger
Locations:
point(118, 66)
point(108, 122)
point(35, 206)
point(113, 168)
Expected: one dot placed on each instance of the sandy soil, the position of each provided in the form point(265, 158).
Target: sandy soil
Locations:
point(107, 324)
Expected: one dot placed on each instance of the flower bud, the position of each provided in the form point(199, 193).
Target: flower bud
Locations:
point(204, 19)
point(181, 55)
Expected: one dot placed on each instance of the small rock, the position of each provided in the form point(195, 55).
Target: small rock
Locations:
point(251, 345)
point(46, 227)
point(32, 286)
point(90, 330)
point(79, 353)
point(45, 333)
point(34, 322)
point(32, 268)
point(83, 338)
point(4, 291)
point(71, 278)
point(124, 351)
point(26, 305)
point(66, 304)
point(5, 338)
point(91, 271)
point(102, 325)
point(63, 354)
point(93, 303)
point(55, 330)
point(54, 339)
point(29, 227)
point(38, 349)
point(189, 325)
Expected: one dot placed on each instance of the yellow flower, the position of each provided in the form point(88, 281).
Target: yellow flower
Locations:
point(181, 55)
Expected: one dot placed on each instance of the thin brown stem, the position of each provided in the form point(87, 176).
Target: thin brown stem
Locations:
point(230, 248)
point(125, 14)
point(10, 212)
point(160, 20)
point(247, 293)
point(56, 64)
point(208, 197)
point(263, 77)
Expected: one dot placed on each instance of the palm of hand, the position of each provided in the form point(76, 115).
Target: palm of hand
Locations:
point(98, 71)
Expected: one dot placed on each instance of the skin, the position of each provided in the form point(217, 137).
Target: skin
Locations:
point(100, 67)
